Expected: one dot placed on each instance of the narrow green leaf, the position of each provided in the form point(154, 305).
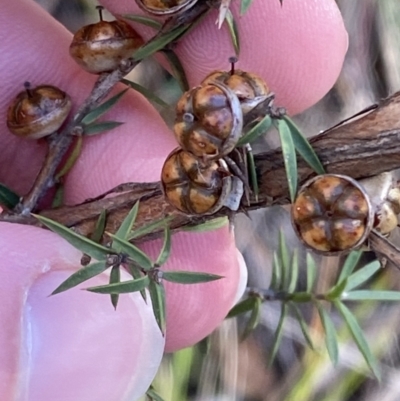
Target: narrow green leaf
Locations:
point(362, 275)
point(100, 226)
point(166, 248)
point(98, 128)
point(123, 287)
point(304, 148)
point(252, 174)
point(213, 224)
point(301, 297)
point(233, 31)
point(177, 69)
point(96, 113)
point(149, 228)
point(133, 252)
point(359, 338)
point(284, 260)
point(157, 295)
point(80, 242)
point(136, 274)
point(371, 295)
point(8, 198)
point(126, 226)
point(254, 319)
point(152, 395)
point(276, 281)
point(256, 131)
point(311, 272)
point(58, 199)
point(330, 334)
point(141, 19)
point(289, 157)
point(80, 276)
point(155, 45)
point(183, 277)
point(242, 307)
point(244, 6)
point(149, 95)
point(336, 291)
point(72, 158)
point(115, 278)
point(278, 334)
point(349, 265)
point(303, 325)
point(294, 272)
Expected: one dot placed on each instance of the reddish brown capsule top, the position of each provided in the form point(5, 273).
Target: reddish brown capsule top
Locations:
point(38, 112)
point(332, 213)
point(208, 121)
point(165, 7)
point(250, 88)
point(192, 187)
point(101, 47)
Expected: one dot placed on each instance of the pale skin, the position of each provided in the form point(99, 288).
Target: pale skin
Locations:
point(74, 345)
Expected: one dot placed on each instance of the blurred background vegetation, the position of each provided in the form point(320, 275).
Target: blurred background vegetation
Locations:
point(223, 369)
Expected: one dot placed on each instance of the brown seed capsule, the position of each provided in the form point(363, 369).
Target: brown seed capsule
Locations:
point(102, 46)
point(194, 188)
point(38, 112)
point(208, 121)
point(332, 213)
point(165, 7)
point(250, 88)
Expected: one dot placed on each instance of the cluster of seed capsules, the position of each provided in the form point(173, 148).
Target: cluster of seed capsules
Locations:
point(195, 177)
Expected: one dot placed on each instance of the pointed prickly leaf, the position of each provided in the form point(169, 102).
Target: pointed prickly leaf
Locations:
point(252, 174)
point(336, 291)
point(330, 334)
point(80, 242)
point(278, 334)
point(284, 260)
point(149, 228)
point(141, 19)
point(303, 324)
point(359, 338)
point(289, 157)
point(349, 265)
point(276, 281)
point(126, 226)
point(177, 69)
point(244, 6)
point(362, 275)
point(213, 224)
point(294, 274)
point(157, 295)
point(81, 276)
point(371, 295)
point(166, 248)
point(304, 148)
point(256, 131)
point(99, 128)
point(123, 287)
point(242, 307)
point(233, 31)
point(183, 277)
point(254, 319)
point(115, 277)
point(152, 395)
point(133, 252)
point(149, 95)
point(72, 158)
point(8, 198)
point(311, 272)
point(96, 113)
point(136, 274)
point(160, 42)
point(100, 226)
